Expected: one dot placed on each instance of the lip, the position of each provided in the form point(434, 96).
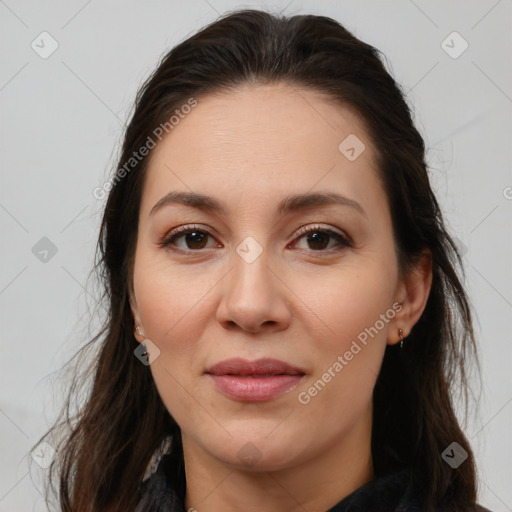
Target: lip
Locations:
point(254, 381)
point(265, 366)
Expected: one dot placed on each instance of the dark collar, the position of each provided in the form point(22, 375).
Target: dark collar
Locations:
point(164, 491)
point(390, 493)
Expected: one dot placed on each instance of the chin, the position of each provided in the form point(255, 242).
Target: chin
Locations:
point(257, 452)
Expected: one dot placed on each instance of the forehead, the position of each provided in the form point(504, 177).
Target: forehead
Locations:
point(263, 140)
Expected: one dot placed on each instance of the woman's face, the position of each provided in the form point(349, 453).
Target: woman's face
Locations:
point(246, 283)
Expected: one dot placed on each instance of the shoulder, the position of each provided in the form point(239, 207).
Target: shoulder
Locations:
point(395, 492)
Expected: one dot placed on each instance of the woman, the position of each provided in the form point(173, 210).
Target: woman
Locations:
point(285, 317)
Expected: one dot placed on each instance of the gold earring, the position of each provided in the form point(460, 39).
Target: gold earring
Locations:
point(400, 333)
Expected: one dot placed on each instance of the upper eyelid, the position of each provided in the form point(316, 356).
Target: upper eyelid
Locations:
point(320, 227)
point(299, 232)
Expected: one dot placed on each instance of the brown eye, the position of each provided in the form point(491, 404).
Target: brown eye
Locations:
point(318, 238)
point(194, 239)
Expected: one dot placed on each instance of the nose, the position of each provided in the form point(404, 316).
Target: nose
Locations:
point(254, 298)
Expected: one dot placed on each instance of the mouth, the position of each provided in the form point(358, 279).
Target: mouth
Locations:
point(257, 381)
point(260, 367)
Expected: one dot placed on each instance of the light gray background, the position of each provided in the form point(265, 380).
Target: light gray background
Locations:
point(62, 119)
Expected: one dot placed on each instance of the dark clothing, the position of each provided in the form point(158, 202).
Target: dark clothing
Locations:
point(164, 491)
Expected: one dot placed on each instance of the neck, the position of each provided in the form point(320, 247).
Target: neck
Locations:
point(314, 484)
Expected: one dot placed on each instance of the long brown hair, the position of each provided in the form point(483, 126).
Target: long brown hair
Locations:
point(104, 449)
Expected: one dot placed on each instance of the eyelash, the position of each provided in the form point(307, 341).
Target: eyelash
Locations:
point(168, 240)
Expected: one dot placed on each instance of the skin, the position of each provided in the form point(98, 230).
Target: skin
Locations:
point(249, 149)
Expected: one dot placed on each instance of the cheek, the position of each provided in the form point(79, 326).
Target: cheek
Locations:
point(171, 302)
point(349, 299)
point(172, 305)
point(348, 348)
point(352, 309)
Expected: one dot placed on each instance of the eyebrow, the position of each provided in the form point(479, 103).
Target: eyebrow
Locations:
point(289, 204)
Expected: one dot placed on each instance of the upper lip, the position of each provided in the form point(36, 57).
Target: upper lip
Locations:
point(266, 366)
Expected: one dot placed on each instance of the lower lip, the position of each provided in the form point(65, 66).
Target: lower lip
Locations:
point(254, 389)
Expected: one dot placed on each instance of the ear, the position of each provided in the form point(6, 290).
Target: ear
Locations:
point(412, 293)
point(136, 316)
